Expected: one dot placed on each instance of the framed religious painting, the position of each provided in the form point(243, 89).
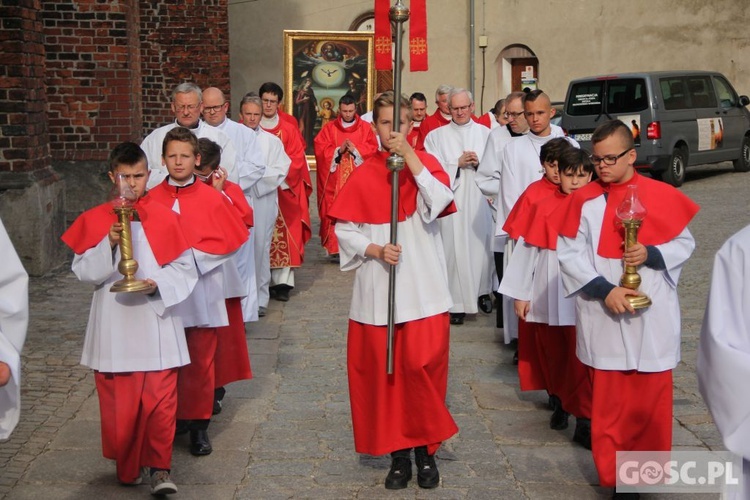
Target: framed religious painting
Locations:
point(319, 68)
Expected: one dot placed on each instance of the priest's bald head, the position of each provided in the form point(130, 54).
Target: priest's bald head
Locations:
point(187, 104)
point(215, 106)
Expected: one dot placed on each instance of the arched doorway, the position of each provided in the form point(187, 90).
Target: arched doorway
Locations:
point(517, 68)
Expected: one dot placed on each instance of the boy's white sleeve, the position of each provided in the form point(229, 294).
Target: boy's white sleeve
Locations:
point(675, 253)
point(576, 266)
point(433, 196)
point(175, 281)
point(518, 276)
point(96, 264)
point(352, 245)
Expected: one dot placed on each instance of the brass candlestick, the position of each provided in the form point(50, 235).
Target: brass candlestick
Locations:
point(631, 213)
point(128, 266)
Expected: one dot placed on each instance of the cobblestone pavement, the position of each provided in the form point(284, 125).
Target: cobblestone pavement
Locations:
point(287, 432)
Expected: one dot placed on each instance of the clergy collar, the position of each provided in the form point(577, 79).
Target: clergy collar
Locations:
point(270, 122)
point(172, 182)
point(348, 124)
point(447, 117)
point(194, 127)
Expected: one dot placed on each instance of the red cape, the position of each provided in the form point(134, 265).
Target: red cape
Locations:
point(239, 202)
point(208, 219)
point(542, 233)
point(366, 196)
point(161, 225)
point(519, 219)
point(669, 212)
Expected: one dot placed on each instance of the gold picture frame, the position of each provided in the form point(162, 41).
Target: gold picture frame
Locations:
point(319, 68)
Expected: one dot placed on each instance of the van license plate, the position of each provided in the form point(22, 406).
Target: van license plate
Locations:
point(582, 137)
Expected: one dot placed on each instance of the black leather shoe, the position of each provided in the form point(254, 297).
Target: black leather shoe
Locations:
point(485, 304)
point(199, 443)
point(457, 318)
point(399, 475)
point(427, 472)
point(626, 496)
point(515, 357)
point(582, 434)
point(281, 292)
point(559, 419)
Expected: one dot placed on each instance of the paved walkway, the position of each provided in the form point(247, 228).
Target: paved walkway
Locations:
point(287, 432)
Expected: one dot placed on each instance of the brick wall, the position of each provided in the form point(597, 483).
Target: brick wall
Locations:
point(181, 41)
point(23, 131)
point(92, 76)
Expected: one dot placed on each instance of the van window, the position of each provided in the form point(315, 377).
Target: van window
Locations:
point(727, 97)
point(586, 98)
point(623, 95)
point(701, 93)
point(673, 92)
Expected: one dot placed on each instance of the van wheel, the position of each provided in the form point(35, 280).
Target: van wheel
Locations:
point(742, 164)
point(675, 173)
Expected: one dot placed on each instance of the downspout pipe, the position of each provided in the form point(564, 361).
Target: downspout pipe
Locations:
point(472, 49)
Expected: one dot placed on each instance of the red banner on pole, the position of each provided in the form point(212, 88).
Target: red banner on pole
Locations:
point(383, 44)
point(418, 36)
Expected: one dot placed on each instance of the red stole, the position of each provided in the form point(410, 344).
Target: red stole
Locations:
point(161, 225)
point(366, 197)
point(208, 219)
point(669, 212)
point(519, 219)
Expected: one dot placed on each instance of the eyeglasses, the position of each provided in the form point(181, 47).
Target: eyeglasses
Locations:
point(187, 107)
point(461, 108)
point(510, 114)
point(609, 159)
point(213, 109)
point(270, 101)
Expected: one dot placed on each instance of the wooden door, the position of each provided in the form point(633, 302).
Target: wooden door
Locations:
point(519, 66)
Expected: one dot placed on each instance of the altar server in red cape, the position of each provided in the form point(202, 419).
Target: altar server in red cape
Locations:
point(630, 353)
point(340, 147)
point(215, 231)
point(232, 360)
point(405, 410)
point(533, 280)
point(530, 369)
point(135, 342)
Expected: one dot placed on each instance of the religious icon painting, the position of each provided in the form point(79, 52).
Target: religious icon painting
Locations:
point(319, 68)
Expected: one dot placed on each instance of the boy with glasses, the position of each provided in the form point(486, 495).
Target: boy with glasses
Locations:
point(630, 353)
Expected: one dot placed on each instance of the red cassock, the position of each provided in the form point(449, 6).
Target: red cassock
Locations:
point(213, 226)
point(293, 228)
point(232, 359)
point(138, 419)
point(331, 137)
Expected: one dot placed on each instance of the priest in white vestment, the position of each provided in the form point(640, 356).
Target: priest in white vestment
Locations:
point(467, 234)
point(264, 193)
point(724, 351)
